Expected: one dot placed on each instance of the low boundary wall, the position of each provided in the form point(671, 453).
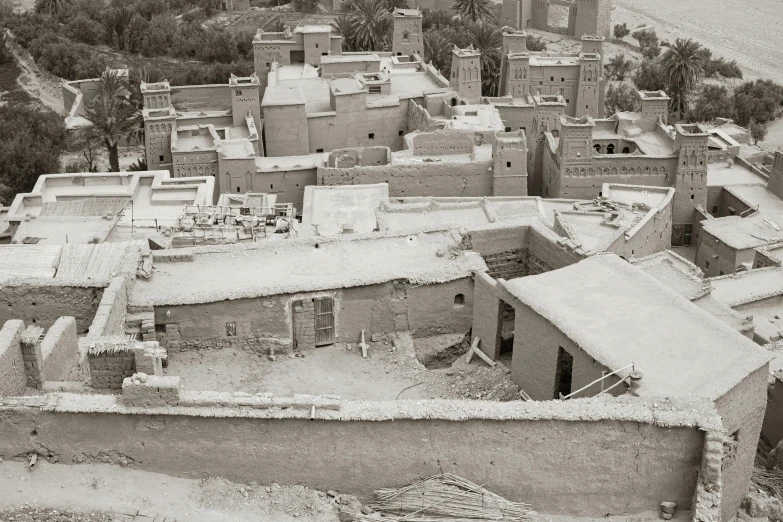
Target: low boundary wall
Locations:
point(585, 457)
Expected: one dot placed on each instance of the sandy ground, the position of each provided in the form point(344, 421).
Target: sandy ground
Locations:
point(38, 83)
point(128, 156)
point(387, 374)
point(749, 31)
point(774, 139)
point(132, 495)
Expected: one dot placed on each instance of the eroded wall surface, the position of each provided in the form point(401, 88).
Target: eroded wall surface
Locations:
point(42, 305)
point(544, 458)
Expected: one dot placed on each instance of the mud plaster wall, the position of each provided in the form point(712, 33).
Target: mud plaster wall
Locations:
point(534, 360)
point(648, 464)
point(384, 308)
point(546, 255)
point(742, 411)
point(109, 369)
point(12, 375)
point(43, 305)
point(60, 351)
point(110, 315)
point(652, 237)
point(436, 179)
point(505, 250)
point(773, 418)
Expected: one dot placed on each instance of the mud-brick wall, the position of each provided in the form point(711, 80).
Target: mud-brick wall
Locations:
point(43, 305)
point(505, 250)
point(742, 410)
point(33, 364)
point(546, 254)
point(508, 265)
point(12, 375)
point(555, 465)
point(110, 315)
point(60, 351)
point(109, 369)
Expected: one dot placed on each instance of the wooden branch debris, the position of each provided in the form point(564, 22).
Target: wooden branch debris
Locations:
point(363, 346)
point(474, 350)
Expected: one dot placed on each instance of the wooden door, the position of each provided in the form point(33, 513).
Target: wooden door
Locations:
point(324, 321)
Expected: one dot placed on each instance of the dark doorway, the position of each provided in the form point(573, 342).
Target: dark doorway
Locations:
point(565, 365)
point(297, 57)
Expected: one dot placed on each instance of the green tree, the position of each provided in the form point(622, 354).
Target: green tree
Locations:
point(31, 143)
point(758, 101)
point(112, 115)
point(159, 37)
point(758, 131)
point(620, 99)
point(437, 50)
point(488, 38)
point(618, 68)
point(714, 101)
point(52, 7)
point(682, 65)
point(82, 29)
point(620, 31)
point(123, 28)
point(473, 10)
point(371, 25)
point(648, 42)
point(343, 25)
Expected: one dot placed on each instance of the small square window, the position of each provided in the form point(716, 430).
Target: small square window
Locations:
point(587, 106)
point(562, 80)
point(551, 78)
point(161, 158)
point(568, 101)
point(715, 210)
point(268, 64)
point(508, 129)
point(706, 264)
point(316, 46)
point(160, 328)
point(371, 136)
point(319, 150)
point(508, 164)
point(402, 133)
point(231, 329)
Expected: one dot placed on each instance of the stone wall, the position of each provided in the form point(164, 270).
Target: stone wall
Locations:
point(60, 351)
point(12, 374)
point(369, 445)
point(42, 305)
point(108, 370)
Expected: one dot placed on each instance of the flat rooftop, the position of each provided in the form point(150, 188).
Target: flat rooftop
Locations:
point(332, 207)
point(746, 287)
point(745, 233)
point(757, 195)
point(621, 315)
point(722, 173)
point(305, 265)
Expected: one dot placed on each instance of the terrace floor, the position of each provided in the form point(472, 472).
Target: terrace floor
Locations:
point(339, 369)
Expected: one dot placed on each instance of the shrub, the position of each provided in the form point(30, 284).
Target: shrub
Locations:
point(621, 98)
point(66, 59)
point(758, 101)
point(82, 29)
point(620, 31)
point(534, 43)
point(648, 43)
point(305, 6)
point(159, 37)
point(758, 131)
point(618, 67)
point(712, 102)
point(30, 26)
point(648, 76)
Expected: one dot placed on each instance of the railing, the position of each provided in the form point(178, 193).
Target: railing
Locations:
point(601, 380)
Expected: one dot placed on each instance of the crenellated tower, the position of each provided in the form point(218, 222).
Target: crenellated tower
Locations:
point(466, 74)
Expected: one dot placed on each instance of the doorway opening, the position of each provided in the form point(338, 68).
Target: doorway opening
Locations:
point(563, 374)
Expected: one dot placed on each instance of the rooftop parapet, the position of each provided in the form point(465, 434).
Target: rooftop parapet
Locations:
point(415, 13)
point(237, 81)
point(469, 52)
point(152, 88)
point(652, 95)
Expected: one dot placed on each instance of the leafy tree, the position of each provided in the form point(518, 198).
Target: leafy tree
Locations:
point(82, 29)
point(648, 76)
point(87, 143)
point(620, 31)
point(619, 68)
point(6, 11)
point(714, 101)
point(535, 43)
point(343, 25)
point(758, 101)
point(435, 19)
point(682, 65)
point(139, 166)
point(648, 43)
point(391, 5)
point(112, 116)
point(209, 6)
point(488, 39)
point(758, 131)
point(620, 99)
point(369, 25)
point(52, 7)
point(159, 37)
point(31, 143)
point(218, 46)
point(305, 6)
point(473, 10)
point(123, 28)
point(6, 56)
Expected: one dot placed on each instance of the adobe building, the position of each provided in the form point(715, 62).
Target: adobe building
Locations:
point(585, 17)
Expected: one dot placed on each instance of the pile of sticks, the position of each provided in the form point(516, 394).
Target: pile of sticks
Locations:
point(445, 497)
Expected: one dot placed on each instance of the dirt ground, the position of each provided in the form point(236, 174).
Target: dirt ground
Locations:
point(40, 84)
point(749, 31)
point(388, 373)
point(128, 156)
point(102, 493)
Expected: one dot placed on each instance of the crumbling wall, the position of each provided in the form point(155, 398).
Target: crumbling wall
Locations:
point(444, 179)
point(418, 117)
point(60, 351)
point(440, 308)
point(437, 143)
point(366, 446)
point(33, 363)
point(110, 316)
point(42, 305)
point(547, 254)
point(505, 250)
point(487, 315)
point(12, 375)
point(707, 500)
point(109, 369)
point(742, 411)
point(773, 417)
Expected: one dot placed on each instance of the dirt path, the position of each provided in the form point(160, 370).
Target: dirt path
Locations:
point(129, 494)
point(749, 31)
point(40, 85)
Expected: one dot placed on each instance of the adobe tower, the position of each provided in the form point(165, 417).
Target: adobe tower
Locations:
point(466, 74)
point(408, 35)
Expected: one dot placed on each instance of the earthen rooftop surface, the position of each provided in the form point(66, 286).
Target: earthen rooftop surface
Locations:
point(745, 287)
point(331, 207)
point(619, 315)
point(304, 265)
point(744, 233)
point(722, 173)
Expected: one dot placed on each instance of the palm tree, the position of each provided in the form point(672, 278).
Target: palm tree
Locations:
point(343, 25)
point(473, 10)
point(488, 39)
point(682, 65)
point(437, 50)
point(372, 25)
point(112, 115)
point(52, 6)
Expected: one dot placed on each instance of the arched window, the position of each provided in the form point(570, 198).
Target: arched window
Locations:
point(610, 148)
point(459, 301)
point(454, 102)
point(626, 150)
point(597, 148)
point(406, 36)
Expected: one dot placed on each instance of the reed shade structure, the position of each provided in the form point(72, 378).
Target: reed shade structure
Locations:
point(446, 497)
